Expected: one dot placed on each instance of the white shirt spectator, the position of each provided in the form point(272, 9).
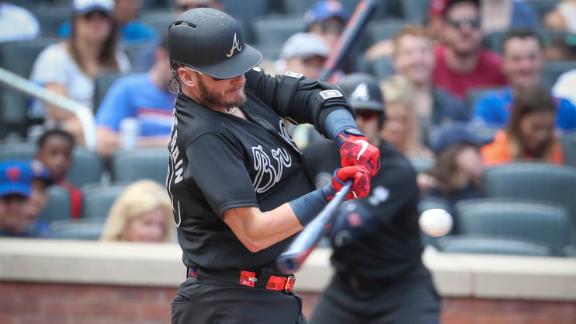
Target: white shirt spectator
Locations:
point(17, 23)
point(54, 64)
point(565, 87)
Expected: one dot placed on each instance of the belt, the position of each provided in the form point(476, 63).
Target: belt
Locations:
point(264, 278)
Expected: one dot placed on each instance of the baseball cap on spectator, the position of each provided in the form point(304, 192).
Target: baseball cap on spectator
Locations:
point(323, 10)
point(82, 7)
point(15, 178)
point(455, 134)
point(304, 45)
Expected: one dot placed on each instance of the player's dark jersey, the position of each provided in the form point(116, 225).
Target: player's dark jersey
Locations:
point(219, 161)
point(395, 248)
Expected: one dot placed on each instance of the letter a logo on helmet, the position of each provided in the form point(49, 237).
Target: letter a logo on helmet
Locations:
point(235, 45)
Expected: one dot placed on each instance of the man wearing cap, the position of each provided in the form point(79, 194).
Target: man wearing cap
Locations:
point(304, 53)
point(379, 275)
point(238, 184)
point(15, 188)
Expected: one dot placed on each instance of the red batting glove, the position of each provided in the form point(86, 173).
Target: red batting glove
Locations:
point(355, 149)
point(360, 177)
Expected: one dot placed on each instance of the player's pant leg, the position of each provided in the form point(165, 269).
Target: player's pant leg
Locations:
point(203, 303)
point(334, 306)
point(411, 301)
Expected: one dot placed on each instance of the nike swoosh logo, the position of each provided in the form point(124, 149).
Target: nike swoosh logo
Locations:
point(364, 148)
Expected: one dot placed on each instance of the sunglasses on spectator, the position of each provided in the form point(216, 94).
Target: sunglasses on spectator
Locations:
point(367, 114)
point(461, 23)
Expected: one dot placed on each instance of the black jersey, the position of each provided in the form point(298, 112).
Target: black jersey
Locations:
point(395, 248)
point(219, 161)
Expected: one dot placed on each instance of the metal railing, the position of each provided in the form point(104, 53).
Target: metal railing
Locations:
point(83, 113)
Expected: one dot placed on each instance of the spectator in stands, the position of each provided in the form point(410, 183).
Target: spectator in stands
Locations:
point(402, 126)
point(304, 53)
point(458, 169)
point(125, 14)
point(560, 47)
point(142, 213)
point(461, 63)
point(327, 19)
point(530, 133)
point(563, 17)
point(15, 190)
point(565, 86)
point(55, 148)
point(497, 15)
point(522, 62)
point(414, 60)
point(16, 23)
point(70, 67)
point(144, 97)
point(41, 181)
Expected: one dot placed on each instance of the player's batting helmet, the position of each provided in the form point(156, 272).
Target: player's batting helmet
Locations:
point(211, 42)
point(363, 93)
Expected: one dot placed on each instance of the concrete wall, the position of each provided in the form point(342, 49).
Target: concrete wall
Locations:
point(91, 282)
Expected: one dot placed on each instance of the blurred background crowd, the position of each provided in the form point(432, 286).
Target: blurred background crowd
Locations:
point(479, 95)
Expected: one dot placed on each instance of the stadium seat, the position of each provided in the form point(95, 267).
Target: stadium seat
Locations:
point(23, 151)
point(540, 223)
point(158, 20)
point(57, 207)
point(415, 10)
point(87, 229)
point(552, 70)
point(103, 82)
point(150, 163)
point(18, 57)
point(98, 199)
point(276, 29)
point(385, 29)
point(569, 146)
point(491, 245)
point(87, 168)
point(536, 181)
point(51, 17)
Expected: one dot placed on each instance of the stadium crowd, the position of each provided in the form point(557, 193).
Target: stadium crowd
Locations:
point(471, 89)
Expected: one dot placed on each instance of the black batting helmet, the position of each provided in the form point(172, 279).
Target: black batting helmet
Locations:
point(210, 41)
point(363, 92)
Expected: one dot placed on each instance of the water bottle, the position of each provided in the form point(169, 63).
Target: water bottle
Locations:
point(129, 132)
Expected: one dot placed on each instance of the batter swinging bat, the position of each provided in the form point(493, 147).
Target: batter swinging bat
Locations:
point(350, 36)
point(291, 259)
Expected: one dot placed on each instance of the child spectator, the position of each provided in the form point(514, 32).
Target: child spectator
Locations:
point(55, 148)
point(69, 68)
point(142, 213)
point(530, 132)
point(15, 191)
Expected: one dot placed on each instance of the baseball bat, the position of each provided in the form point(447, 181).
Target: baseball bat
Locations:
point(295, 255)
point(362, 14)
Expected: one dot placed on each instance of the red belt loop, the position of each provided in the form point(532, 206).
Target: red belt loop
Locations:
point(281, 283)
point(248, 278)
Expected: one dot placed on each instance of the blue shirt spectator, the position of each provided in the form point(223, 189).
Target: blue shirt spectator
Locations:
point(493, 109)
point(136, 96)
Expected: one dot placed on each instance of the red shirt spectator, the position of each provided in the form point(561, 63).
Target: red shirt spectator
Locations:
point(486, 74)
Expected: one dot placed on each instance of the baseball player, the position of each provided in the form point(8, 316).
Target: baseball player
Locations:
point(379, 277)
point(237, 181)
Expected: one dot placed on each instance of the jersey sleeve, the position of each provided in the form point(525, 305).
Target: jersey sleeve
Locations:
point(215, 166)
point(117, 105)
point(300, 99)
point(486, 111)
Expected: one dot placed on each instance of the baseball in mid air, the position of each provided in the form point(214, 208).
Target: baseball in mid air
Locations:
point(436, 222)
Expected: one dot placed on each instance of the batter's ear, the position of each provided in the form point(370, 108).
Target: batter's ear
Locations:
point(186, 77)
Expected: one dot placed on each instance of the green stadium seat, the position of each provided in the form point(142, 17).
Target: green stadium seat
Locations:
point(58, 206)
point(149, 163)
point(98, 199)
point(90, 229)
point(530, 221)
point(569, 146)
point(491, 245)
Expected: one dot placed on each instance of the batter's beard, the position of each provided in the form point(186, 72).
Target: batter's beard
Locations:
point(210, 98)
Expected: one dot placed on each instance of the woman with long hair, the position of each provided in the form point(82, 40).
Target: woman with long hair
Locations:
point(142, 213)
point(69, 68)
